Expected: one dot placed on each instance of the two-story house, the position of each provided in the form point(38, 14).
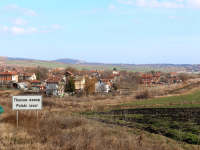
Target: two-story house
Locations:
point(146, 79)
point(103, 85)
point(8, 77)
point(95, 73)
point(30, 76)
point(79, 82)
point(21, 74)
point(55, 86)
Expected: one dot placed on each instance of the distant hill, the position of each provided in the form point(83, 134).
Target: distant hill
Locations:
point(16, 58)
point(70, 61)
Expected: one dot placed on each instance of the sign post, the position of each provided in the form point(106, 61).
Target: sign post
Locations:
point(29, 102)
point(1, 111)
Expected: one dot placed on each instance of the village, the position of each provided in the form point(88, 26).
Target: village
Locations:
point(69, 81)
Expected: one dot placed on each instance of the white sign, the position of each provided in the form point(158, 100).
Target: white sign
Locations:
point(28, 102)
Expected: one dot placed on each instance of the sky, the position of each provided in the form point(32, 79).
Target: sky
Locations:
point(107, 31)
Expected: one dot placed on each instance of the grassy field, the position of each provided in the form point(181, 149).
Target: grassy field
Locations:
point(176, 117)
point(182, 99)
point(58, 128)
point(49, 64)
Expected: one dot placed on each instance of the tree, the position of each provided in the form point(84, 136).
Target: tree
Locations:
point(115, 86)
point(38, 75)
point(90, 86)
point(153, 72)
point(70, 86)
point(136, 79)
point(72, 70)
point(183, 77)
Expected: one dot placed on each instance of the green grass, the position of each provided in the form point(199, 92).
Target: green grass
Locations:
point(21, 63)
point(190, 98)
point(178, 106)
point(49, 64)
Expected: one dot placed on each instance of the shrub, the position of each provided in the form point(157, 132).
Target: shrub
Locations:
point(143, 95)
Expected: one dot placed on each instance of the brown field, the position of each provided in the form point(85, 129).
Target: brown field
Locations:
point(61, 125)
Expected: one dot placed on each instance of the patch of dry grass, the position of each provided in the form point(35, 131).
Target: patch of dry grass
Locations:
point(58, 128)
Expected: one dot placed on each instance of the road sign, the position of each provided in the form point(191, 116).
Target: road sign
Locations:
point(26, 102)
point(1, 110)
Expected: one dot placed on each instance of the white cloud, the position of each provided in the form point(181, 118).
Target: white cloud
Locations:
point(55, 26)
point(175, 17)
point(16, 30)
point(163, 3)
point(22, 10)
point(20, 21)
point(45, 31)
point(128, 2)
point(137, 21)
point(30, 13)
point(112, 7)
point(31, 30)
point(11, 7)
point(158, 4)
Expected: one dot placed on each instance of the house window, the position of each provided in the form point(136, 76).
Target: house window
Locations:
point(1, 77)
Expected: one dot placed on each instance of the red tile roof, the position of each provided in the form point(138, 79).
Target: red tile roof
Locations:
point(53, 79)
point(156, 75)
point(106, 81)
point(94, 71)
point(29, 74)
point(111, 75)
point(68, 73)
point(148, 76)
point(8, 73)
point(35, 81)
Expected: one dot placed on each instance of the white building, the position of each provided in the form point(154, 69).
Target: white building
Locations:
point(103, 85)
point(30, 76)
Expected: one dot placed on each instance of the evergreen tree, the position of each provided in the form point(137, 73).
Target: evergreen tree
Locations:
point(115, 86)
point(70, 86)
point(38, 75)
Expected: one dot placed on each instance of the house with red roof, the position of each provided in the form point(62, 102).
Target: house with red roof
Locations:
point(30, 76)
point(103, 85)
point(21, 74)
point(146, 79)
point(67, 74)
point(8, 76)
point(95, 73)
point(35, 82)
point(55, 86)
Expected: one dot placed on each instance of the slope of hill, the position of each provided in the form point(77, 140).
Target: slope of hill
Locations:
point(70, 61)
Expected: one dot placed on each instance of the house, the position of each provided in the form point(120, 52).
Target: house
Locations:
point(173, 78)
point(146, 79)
point(68, 74)
point(55, 86)
point(39, 88)
point(156, 79)
point(30, 76)
point(173, 74)
point(79, 82)
point(35, 82)
point(95, 73)
point(115, 71)
point(103, 85)
point(21, 74)
point(114, 77)
point(8, 77)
